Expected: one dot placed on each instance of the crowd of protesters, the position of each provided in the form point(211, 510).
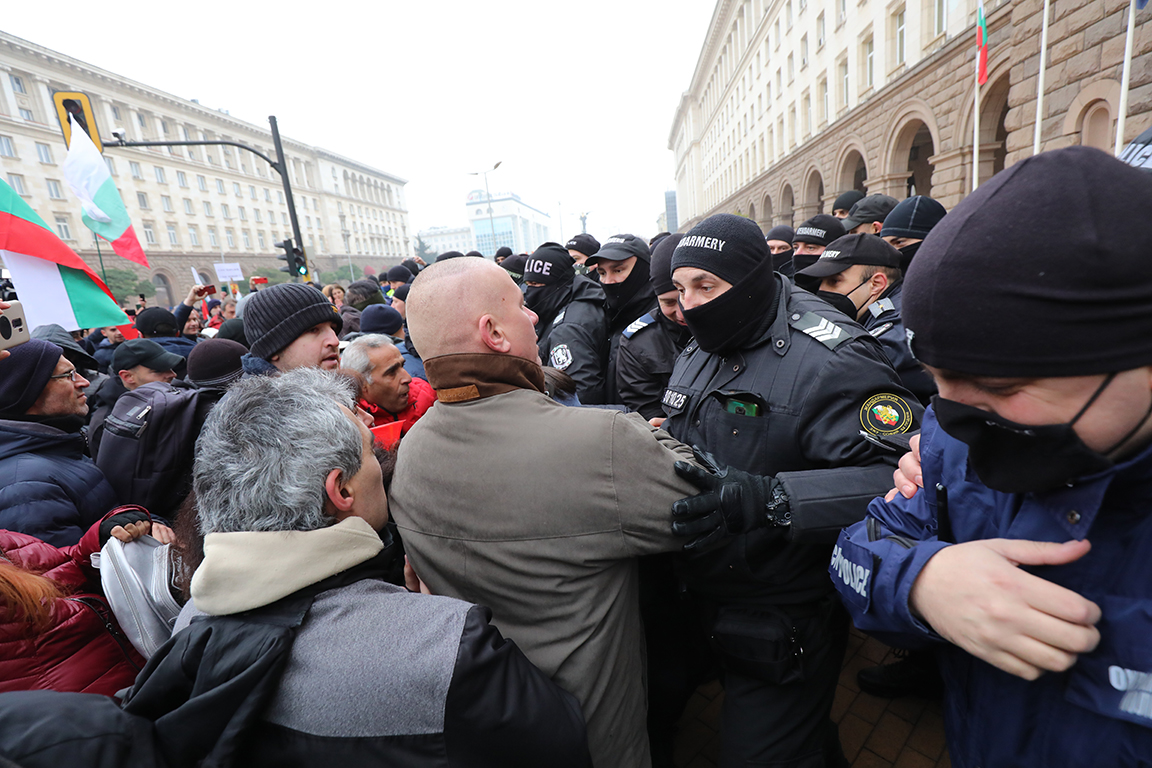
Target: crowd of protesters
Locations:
point(514, 511)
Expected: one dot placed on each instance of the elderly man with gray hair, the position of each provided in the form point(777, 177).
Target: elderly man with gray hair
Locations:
point(390, 393)
point(291, 499)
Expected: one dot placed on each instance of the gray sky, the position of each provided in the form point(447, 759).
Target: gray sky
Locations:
point(575, 99)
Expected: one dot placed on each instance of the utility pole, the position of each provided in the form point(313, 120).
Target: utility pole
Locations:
point(584, 222)
point(491, 221)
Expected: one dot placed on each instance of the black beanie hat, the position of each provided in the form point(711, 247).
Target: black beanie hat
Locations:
point(821, 229)
point(276, 316)
point(449, 255)
point(380, 318)
point(503, 251)
point(549, 264)
point(584, 243)
point(215, 363)
point(727, 245)
point(914, 218)
point(411, 266)
point(25, 373)
point(781, 232)
point(233, 330)
point(398, 273)
point(660, 270)
point(847, 199)
point(1042, 271)
point(401, 293)
point(515, 264)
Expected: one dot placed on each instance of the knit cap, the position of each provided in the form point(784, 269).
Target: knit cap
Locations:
point(660, 270)
point(727, 245)
point(215, 363)
point(380, 318)
point(25, 373)
point(913, 218)
point(276, 316)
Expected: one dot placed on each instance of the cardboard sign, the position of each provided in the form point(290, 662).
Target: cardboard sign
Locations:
point(228, 273)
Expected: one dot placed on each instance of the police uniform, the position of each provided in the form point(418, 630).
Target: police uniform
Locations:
point(884, 323)
point(576, 341)
point(644, 361)
point(792, 402)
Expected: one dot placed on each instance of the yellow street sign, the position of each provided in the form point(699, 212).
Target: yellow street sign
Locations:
point(80, 107)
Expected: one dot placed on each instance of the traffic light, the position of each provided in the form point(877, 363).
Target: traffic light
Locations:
point(301, 262)
point(289, 257)
point(79, 107)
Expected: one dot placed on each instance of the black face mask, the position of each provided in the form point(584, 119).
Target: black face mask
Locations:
point(734, 317)
point(1022, 458)
point(782, 262)
point(546, 301)
point(619, 294)
point(841, 301)
point(906, 254)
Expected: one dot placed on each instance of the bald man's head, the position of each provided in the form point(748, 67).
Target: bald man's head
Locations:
point(469, 306)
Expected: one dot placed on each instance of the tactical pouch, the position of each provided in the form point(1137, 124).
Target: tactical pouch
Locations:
point(759, 643)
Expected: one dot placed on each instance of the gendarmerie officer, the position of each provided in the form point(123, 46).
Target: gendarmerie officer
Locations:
point(778, 385)
point(622, 264)
point(650, 345)
point(572, 330)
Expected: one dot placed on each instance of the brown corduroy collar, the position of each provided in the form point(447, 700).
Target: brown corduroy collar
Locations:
point(463, 377)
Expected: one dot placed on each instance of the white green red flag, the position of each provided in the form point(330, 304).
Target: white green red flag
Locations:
point(53, 283)
point(104, 211)
point(981, 44)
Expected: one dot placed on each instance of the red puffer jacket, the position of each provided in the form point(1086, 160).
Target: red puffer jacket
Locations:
point(83, 650)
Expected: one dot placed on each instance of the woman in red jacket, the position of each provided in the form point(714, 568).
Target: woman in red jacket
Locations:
point(56, 630)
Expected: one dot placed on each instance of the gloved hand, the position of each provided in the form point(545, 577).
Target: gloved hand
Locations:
point(126, 516)
point(731, 502)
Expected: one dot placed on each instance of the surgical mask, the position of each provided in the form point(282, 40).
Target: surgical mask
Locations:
point(906, 254)
point(841, 301)
point(1023, 458)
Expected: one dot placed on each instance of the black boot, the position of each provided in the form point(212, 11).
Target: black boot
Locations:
point(915, 674)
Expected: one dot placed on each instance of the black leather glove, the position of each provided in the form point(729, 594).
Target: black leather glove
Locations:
point(731, 502)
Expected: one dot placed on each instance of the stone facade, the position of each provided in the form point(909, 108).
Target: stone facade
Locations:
point(914, 134)
point(191, 206)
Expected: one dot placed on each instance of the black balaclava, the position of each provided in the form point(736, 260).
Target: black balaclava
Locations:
point(630, 299)
point(551, 265)
point(734, 249)
point(782, 262)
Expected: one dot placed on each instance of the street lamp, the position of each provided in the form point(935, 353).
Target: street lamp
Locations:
point(491, 221)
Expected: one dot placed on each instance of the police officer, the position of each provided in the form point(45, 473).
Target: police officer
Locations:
point(860, 275)
point(572, 330)
point(1024, 559)
point(776, 387)
point(649, 347)
point(580, 248)
point(810, 240)
point(909, 223)
point(622, 264)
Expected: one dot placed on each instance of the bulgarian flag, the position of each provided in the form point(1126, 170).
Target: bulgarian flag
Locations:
point(104, 211)
point(54, 284)
point(981, 44)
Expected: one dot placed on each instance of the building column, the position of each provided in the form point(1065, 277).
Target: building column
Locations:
point(892, 184)
point(6, 88)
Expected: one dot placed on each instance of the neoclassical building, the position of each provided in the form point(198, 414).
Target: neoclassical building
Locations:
point(795, 101)
point(190, 206)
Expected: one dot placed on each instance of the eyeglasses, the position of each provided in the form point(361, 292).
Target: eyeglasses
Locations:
point(71, 375)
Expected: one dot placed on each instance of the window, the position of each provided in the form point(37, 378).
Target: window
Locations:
point(182, 179)
point(207, 208)
point(271, 217)
point(6, 148)
point(115, 112)
point(188, 209)
point(135, 168)
point(142, 200)
point(193, 235)
point(779, 84)
point(202, 183)
point(791, 68)
point(284, 218)
point(841, 11)
point(822, 95)
point(260, 240)
point(62, 228)
point(220, 186)
point(225, 211)
point(788, 13)
point(308, 221)
point(212, 239)
point(111, 166)
point(160, 178)
point(869, 63)
point(243, 214)
point(173, 238)
point(149, 234)
point(844, 83)
point(252, 191)
point(140, 119)
point(819, 31)
point(166, 203)
point(184, 130)
point(16, 181)
point(280, 198)
point(315, 204)
point(256, 215)
point(804, 52)
point(898, 25)
point(807, 114)
point(267, 196)
point(236, 188)
point(230, 238)
point(44, 152)
point(17, 83)
point(54, 190)
point(939, 17)
point(164, 126)
point(27, 115)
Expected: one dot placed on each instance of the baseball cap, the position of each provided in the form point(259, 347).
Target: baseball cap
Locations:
point(144, 352)
point(850, 250)
point(870, 209)
point(619, 248)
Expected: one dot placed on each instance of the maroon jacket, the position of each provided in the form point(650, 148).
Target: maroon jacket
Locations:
point(79, 651)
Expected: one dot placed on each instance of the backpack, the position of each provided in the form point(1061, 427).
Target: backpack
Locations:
point(148, 445)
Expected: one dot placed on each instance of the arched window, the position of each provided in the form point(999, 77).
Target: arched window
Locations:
point(1096, 126)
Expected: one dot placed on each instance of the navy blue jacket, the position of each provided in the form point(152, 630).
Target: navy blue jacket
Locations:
point(884, 322)
point(49, 488)
point(1098, 713)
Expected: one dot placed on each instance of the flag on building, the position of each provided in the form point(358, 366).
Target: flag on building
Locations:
point(981, 44)
point(104, 212)
point(53, 283)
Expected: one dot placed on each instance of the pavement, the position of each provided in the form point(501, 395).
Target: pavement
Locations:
point(875, 733)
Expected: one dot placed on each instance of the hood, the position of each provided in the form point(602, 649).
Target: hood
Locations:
point(257, 366)
point(73, 352)
point(18, 437)
point(107, 393)
point(249, 569)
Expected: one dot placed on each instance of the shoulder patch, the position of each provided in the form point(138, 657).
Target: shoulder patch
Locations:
point(885, 414)
point(639, 324)
point(822, 329)
point(880, 330)
point(560, 357)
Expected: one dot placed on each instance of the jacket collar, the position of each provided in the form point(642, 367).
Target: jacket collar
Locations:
point(257, 366)
point(463, 377)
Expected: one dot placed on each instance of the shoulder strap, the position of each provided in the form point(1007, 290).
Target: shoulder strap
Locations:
point(822, 329)
point(640, 323)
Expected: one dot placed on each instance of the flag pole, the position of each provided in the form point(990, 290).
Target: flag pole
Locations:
point(1124, 79)
point(1040, 81)
point(100, 256)
point(976, 128)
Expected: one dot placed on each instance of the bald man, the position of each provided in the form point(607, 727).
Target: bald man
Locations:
point(550, 548)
